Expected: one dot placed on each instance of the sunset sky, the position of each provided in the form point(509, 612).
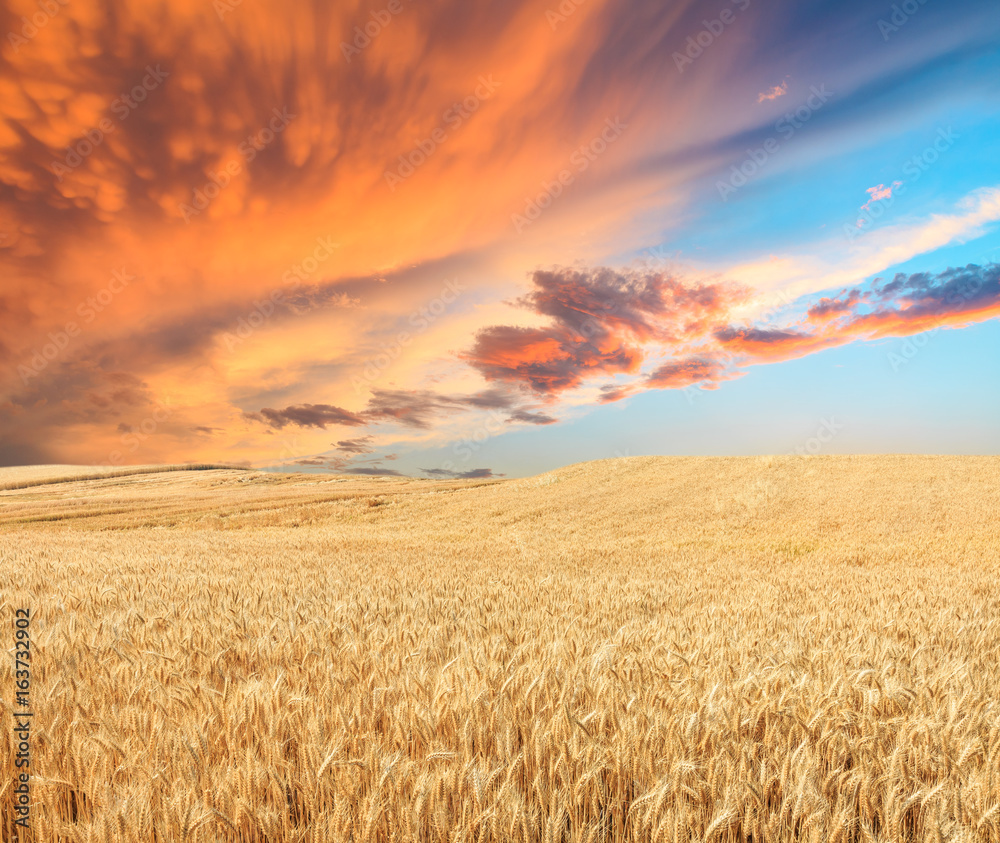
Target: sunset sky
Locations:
point(454, 239)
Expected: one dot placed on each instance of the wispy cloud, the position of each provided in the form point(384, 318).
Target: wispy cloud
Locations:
point(773, 93)
point(877, 194)
point(472, 474)
point(308, 415)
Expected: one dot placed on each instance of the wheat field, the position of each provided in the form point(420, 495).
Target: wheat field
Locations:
point(678, 649)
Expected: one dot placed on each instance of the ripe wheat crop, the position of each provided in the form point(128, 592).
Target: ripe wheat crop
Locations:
point(775, 649)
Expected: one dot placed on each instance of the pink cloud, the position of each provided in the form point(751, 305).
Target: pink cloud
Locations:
point(879, 192)
point(774, 93)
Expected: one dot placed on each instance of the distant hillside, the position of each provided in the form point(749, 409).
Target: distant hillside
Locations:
point(23, 476)
point(871, 507)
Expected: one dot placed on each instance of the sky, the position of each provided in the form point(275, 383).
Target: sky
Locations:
point(445, 239)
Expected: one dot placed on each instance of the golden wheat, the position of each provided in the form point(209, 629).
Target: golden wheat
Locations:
point(629, 650)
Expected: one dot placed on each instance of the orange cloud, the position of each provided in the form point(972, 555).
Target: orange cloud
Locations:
point(718, 351)
point(685, 372)
point(203, 150)
point(763, 344)
point(909, 304)
point(831, 308)
point(599, 322)
point(774, 93)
